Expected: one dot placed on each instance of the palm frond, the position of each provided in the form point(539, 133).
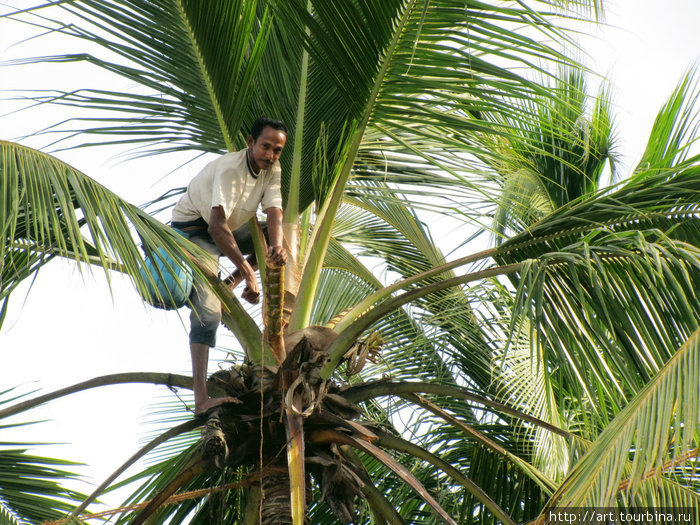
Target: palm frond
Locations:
point(525, 382)
point(665, 412)
point(51, 209)
point(405, 350)
point(195, 69)
point(647, 201)
point(556, 158)
point(665, 491)
point(675, 129)
point(7, 516)
point(612, 314)
point(393, 233)
point(31, 486)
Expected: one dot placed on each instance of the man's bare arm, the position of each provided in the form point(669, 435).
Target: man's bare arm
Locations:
point(223, 237)
point(276, 250)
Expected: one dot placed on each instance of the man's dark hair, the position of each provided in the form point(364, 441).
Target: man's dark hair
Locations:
point(263, 122)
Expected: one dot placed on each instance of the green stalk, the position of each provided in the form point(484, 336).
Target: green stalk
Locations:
point(318, 244)
point(291, 209)
point(304, 226)
point(252, 506)
point(366, 391)
point(349, 335)
point(381, 507)
point(195, 467)
point(382, 511)
point(324, 225)
point(156, 378)
point(371, 299)
point(290, 218)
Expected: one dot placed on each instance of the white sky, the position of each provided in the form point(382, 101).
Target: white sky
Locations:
point(69, 329)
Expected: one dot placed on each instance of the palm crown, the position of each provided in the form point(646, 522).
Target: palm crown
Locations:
point(558, 368)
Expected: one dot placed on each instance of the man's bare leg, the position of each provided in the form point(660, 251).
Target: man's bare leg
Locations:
point(200, 362)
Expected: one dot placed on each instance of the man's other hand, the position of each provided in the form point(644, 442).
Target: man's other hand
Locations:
point(250, 295)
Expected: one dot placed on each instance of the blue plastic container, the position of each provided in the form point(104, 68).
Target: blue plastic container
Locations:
point(168, 285)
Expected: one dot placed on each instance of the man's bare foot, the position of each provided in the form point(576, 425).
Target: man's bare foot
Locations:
point(209, 403)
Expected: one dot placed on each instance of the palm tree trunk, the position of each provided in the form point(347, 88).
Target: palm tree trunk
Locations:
point(276, 504)
point(276, 501)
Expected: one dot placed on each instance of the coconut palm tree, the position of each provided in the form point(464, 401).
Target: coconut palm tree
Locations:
point(536, 368)
point(395, 104)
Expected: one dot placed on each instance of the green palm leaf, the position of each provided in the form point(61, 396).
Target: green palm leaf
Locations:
point(524, 381)
point(31, 486)
point(370, 65)
point(51, 209)
point(394, 234)
point(555, 159)
point(675, 129)
point(394, 97)
point(659, 423)
point(195, 69)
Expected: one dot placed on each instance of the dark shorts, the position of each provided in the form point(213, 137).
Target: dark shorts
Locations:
point(199, 228)
point(205, 317)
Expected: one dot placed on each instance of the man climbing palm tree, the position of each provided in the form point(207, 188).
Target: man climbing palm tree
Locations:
point(213, 213)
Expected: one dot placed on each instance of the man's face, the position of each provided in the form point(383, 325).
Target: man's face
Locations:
point(265, 151)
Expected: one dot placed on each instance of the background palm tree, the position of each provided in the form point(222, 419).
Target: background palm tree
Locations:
point(389, 100)
point(30, 485)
